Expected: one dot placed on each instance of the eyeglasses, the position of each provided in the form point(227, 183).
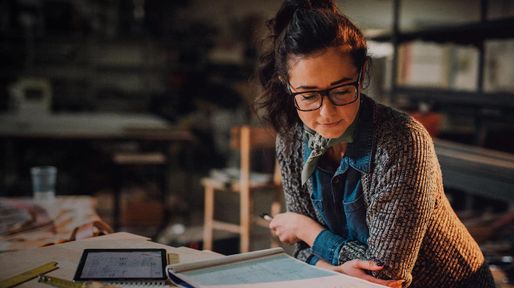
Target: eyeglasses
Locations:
point(339, 95)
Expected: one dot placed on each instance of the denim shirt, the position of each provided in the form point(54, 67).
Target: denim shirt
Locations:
point(337, 194)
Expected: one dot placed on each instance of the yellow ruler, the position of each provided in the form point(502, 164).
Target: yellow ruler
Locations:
point(172, 258)
point(28, 275)
point(60, 283)
point(63, 283)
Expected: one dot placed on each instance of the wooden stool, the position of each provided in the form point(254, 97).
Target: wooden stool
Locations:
point(246, 139)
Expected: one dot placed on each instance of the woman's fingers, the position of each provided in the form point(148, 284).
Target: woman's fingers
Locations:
point(368, 265)
point(394, 283)
point(374, 266)
point(272, 224)
point(357, 268)
point(388, 283)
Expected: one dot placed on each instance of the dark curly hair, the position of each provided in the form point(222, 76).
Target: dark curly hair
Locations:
point(300, 27)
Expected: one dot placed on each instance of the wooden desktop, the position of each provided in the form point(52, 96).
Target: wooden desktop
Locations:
point(67, 255)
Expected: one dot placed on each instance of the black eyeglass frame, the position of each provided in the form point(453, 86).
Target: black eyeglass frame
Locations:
point(326, 92)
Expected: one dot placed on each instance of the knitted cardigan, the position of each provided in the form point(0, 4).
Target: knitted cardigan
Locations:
point(412, 227)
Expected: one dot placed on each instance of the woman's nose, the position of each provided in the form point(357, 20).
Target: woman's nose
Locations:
point(327, 108)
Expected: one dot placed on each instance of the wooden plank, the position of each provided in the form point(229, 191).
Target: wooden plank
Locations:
point(225, 226)
point(260, 137)
point(142, 158)
point(208, 217)
point(245, 190)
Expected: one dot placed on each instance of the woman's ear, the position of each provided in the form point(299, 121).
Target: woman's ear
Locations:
point(363, 73)
point(364, 69)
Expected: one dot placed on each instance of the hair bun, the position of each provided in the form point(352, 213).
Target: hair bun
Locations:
point(311, 4)
point(289, 7)
point(319, 4)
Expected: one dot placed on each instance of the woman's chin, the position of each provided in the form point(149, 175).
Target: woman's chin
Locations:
point(329, 134)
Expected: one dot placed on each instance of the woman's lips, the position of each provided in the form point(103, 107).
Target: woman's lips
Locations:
point(330, 124)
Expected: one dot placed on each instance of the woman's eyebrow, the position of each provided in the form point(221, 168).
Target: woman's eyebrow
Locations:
point(342, 80)
point(345, 79)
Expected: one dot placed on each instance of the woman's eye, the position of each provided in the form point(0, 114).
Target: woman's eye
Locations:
point(309, 96)
point(341, 92)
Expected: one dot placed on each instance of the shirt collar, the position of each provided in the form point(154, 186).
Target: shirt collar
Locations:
point(360, 150)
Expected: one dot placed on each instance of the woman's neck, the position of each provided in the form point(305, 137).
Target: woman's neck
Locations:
point(336, 152)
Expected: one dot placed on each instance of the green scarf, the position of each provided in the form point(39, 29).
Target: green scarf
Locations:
point(320, 145)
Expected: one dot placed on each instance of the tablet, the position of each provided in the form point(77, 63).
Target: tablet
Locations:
point(122, 265)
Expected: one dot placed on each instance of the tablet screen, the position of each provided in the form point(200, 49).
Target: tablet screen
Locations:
point(121, 264)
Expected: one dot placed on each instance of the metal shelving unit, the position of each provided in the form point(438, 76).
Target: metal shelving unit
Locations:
point(471, 33)
point(475, 33)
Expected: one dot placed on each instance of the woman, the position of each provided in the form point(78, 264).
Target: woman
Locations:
point(361, 180)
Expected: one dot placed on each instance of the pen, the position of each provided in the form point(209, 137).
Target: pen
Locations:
point(266, 216)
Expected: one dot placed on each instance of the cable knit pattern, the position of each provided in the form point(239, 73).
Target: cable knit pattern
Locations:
point(412, 227)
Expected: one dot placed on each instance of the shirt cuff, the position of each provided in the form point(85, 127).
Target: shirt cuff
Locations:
point(312, 260)
point(327, 246)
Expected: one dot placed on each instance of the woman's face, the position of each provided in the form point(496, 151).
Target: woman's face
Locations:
point(322, 70)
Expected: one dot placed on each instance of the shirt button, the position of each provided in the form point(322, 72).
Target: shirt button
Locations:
point(336, 180)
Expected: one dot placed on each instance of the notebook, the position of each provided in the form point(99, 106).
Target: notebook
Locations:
point(267, 268)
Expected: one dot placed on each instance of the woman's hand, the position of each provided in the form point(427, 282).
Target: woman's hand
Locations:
point(292, 227)
point(358, 268)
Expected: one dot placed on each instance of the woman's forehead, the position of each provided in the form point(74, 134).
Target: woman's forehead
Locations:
point(321, 68)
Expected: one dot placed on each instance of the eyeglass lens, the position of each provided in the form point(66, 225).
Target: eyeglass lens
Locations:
point(339, 96)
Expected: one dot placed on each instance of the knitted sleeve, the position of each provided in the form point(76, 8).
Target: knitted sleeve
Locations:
point(297, 200)
point(402, 199)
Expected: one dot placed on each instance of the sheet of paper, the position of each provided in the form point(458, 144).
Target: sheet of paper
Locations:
point(278, 270)
point(334, 281)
